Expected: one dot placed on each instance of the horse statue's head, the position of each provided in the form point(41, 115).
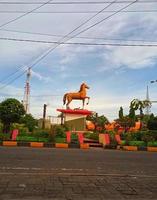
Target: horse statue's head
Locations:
point(83, 86)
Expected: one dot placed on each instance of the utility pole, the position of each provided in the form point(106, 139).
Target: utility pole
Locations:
point(44, 116)
point(148, 108)
point(26, 98)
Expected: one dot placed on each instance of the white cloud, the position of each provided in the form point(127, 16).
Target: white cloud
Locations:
point(41, 77)
point(129, 57)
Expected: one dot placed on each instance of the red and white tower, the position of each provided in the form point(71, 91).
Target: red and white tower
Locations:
point(26, 98)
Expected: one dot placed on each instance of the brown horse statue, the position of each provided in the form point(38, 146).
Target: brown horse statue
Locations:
point(80, 95)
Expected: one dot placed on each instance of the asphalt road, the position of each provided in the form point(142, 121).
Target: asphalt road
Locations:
point(69, 174)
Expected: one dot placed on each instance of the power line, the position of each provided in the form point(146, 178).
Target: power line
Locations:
point(10, 75)
point(27, 13)
point(17, 18)
point(75, 2)
point(118, 11)
point(53, 48)
point(79, 12)
point(83, 37)
point(80, 43)
point(32, 96)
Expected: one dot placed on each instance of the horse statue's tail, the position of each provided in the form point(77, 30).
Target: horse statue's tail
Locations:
point(64, 99)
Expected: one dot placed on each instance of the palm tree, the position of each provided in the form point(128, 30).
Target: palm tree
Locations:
point(137, 104)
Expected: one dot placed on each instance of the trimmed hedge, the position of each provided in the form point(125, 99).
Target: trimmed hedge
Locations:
point(60, 140)
point(5, 136)
point(31, 139)
point(93, 136)
point(137, 143)
point(152, 144)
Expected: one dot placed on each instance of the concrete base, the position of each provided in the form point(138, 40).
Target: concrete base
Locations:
point(75, 119)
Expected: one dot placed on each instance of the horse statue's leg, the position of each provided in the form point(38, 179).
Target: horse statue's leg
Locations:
point(83, 100)
point(88, 100)
point(69, 99)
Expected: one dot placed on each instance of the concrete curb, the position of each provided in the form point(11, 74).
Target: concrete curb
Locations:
point(42, 145)
point(66, 145)
point(137, 148)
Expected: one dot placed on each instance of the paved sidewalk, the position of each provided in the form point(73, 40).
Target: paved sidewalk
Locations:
point(43, 186)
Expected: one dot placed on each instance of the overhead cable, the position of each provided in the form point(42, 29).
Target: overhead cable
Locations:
point(83, 37)
point(74, 2)
point(27, 13)
point(78, 43)
point(79, 12)
point(62, 40)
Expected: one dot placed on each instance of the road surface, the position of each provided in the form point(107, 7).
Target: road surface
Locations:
point(75, 174)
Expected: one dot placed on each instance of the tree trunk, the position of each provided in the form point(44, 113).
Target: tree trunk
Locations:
point(6, 127)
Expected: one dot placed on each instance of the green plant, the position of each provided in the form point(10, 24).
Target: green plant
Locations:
point(41, 133)
point(152, 123)
point(121, 115)
point(123, 142)
point(21, 127)
point(60, 140)
point(11, 110)
point(137, 143)
point(60, 130)
point(29, 121)
point(74, 136)
point(149, 136)
point(152, 144)
point(31, 139)
point(5, 136)
point(91, 135)
point(27, 139)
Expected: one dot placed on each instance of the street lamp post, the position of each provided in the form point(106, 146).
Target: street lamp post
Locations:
point(44, 116)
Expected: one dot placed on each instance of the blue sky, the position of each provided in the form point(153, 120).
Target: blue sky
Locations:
point(115, 74)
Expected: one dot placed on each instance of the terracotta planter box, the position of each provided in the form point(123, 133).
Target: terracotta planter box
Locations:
point(61, 145)
point(36, 144)
point(9, 143)
point(84, 146)
point(130, 148)
point(152, 149)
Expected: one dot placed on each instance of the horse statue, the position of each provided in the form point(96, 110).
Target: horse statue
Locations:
point(80, 95)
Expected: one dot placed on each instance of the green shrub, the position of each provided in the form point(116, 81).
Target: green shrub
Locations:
point(123, 142)
point(132, 136)
point(152, 144)
point(31, 139)
point(5, 136)
point(60, 130)
point(91, 135)
point(21, 127)
point(43, 140)
point(149, 136)
point(27, 139)
point(137, 143)
point(152, 124)
point(60, 140)
point(39, 133)
point(74, 136)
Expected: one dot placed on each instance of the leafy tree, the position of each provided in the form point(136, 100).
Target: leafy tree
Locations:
point(132, 115)
point(11, 110)
point(137, 104)
point(99, 121)
point(152, 123)
point(29, 122)
point(121, 115)
point(126, 122)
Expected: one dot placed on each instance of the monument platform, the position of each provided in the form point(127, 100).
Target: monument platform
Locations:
point(75, 111)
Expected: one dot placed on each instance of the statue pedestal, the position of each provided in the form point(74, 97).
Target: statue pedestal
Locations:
point(75, 119)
